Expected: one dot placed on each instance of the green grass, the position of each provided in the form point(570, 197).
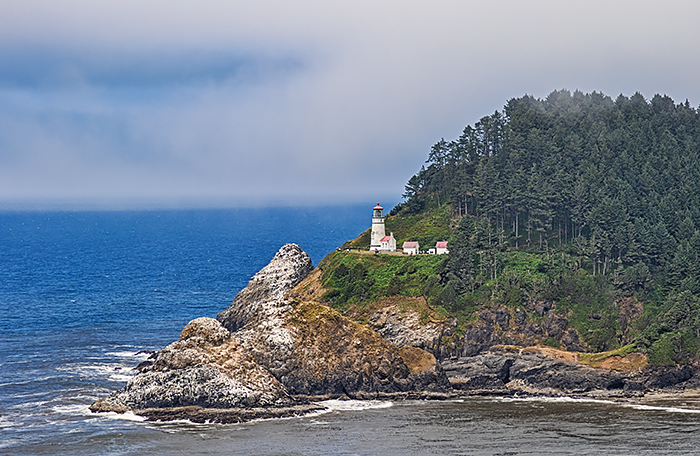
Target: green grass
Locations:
point(427, 228)
point(358, 278)
point(597, 357)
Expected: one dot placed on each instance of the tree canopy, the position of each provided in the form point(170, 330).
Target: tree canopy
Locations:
point(619, 179)
point(611, 187)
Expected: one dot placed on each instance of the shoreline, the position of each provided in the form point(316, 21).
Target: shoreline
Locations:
point(663, 400)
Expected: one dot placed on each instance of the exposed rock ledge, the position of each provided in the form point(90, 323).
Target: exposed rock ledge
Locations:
point(540, 371)
point(265, 355)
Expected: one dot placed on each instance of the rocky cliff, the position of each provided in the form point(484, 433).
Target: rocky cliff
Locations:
point(272, 349)
point(501, 353)
point(278, 347)
point(545, 371)
point(267, 288)
point(314, 350)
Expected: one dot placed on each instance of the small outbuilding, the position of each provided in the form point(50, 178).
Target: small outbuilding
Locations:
point(410, 248)
point(388, 243)
point(441, 247)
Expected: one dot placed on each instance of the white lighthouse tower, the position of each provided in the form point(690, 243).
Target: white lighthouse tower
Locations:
point(379, 241)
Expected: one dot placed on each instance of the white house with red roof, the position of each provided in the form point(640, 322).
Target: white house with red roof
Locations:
point(411, 248)
point(441, 247)
point(379, 241)
point(388, 243)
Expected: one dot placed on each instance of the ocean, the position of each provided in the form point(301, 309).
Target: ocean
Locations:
point(85, 296)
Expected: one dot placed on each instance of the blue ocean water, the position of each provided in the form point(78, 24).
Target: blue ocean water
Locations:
point(82, 294)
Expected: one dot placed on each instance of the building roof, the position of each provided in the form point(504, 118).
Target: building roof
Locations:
point(385, 239)
point(441, 245)
point(378, 207)
point(410, 244)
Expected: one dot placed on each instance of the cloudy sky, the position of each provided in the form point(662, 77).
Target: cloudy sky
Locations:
point(171, 102)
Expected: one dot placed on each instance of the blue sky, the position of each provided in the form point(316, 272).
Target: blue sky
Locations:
point(225, 103)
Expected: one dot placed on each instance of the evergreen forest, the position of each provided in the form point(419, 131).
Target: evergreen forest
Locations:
point(577, 199)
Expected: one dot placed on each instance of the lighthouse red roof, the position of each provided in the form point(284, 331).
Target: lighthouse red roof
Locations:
point(378, 207)
point(385, 239)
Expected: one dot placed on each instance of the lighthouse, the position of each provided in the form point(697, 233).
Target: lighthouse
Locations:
point(379, 241)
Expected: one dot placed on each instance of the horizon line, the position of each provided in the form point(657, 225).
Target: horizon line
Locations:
point(155, 204)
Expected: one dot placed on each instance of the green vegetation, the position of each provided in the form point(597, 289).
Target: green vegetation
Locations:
point(359, 279)
point(590, 358)
point(576, 199)
point(604, 197)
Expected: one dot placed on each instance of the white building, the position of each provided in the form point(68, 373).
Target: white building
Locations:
point(388, 243)
point(379, 241)
point(441, 247)
point(411, 248)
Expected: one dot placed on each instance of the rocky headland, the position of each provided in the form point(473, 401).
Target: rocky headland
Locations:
point(271, 353)
point(278, 348)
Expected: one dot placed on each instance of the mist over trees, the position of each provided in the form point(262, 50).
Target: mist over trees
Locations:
point(619, 180)
point(608, 187)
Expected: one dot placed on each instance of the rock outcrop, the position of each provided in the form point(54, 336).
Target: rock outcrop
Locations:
point(205, 368)
point(277, 347)
point(403, 328)
point(543, 371)
point(499, 325)
point(314, 350)
point(270, 352)
point(288, 267)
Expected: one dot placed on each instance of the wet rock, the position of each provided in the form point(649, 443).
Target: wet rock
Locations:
point(225, 415)
point(667, 377)
point(143, 365)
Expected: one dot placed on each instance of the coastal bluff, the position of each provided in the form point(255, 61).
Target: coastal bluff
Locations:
point(278, 348)
point(270, 354)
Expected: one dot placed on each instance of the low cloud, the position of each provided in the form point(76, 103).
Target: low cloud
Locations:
point(230, 103)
